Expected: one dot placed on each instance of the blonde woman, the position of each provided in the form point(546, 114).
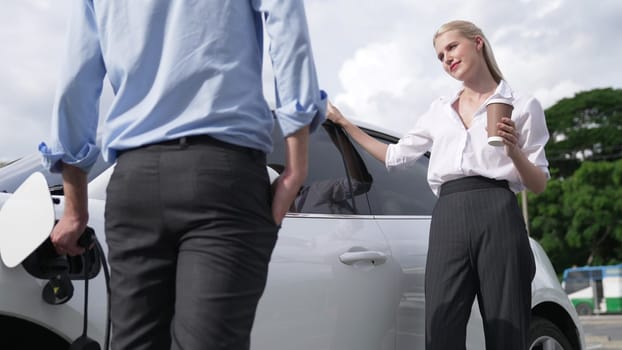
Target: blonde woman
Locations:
point(478, 243)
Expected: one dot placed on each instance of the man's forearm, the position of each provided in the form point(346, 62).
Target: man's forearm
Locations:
point(75, 190)
point(67, 231)
point(294, 175)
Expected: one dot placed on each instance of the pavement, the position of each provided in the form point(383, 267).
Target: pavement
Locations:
point(602, 332)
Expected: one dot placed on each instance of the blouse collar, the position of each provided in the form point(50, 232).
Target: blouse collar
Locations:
point(503, 90)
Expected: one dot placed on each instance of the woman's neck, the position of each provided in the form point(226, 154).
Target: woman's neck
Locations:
point(480, 89)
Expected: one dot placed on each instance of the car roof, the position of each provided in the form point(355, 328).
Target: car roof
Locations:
point(376, 129)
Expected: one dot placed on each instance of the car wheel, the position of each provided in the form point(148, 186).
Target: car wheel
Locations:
point(544, 335)
point(584, 309)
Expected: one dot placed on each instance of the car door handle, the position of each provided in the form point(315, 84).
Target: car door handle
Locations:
point(374, 257)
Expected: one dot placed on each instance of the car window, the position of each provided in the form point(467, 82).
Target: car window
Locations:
point(577, 280)
point(401, 191)
point(328, 189)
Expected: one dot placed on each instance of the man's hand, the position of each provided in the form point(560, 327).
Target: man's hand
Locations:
point(65, 236)
point(71, 225)
point(294, 175)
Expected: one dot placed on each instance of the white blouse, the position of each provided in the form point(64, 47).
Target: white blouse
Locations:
point(457, 152)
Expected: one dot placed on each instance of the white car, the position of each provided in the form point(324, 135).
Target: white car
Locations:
point(347, 271)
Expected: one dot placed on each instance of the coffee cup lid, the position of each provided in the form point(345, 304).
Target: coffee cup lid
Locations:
point(503, 100)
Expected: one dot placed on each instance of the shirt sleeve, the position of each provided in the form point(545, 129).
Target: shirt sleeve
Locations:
point(76, 106)
point(534, 134)
point(411, 146)
point(299, 101)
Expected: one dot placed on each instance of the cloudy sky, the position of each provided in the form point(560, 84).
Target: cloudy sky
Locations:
point(374, 58)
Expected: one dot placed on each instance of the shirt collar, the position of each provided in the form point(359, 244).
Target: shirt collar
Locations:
point(503, 90)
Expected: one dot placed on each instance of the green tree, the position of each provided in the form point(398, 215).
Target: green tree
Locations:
point(548, 226)
point(593, 201)
point(587, 126)
point(577, 220)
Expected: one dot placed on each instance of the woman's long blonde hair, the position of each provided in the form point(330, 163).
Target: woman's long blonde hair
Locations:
point(471, 31)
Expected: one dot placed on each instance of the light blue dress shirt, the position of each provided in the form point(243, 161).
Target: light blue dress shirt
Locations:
point(180, 68)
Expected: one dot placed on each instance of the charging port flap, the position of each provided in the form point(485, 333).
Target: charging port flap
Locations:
point(26, 220)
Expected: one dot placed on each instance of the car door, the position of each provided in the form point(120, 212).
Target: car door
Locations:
point(332, 283)
point(401, 202)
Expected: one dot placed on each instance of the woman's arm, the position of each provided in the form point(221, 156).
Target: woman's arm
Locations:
point(532, 176)
point(374, 147)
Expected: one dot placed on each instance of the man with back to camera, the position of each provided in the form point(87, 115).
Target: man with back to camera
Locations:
point(190, 219)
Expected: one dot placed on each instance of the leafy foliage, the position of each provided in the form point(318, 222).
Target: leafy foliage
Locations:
point(578, 219)
point(587, 126)
point(548, 226)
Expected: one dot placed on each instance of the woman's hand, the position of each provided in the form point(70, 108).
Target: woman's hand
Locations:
point(532, 177)
point(334, 115)
point(507, 130)
point(376, 148)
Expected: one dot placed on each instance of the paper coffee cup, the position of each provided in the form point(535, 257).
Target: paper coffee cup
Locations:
point(496, 109)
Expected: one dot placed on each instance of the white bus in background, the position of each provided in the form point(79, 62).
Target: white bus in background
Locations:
point(594, 289)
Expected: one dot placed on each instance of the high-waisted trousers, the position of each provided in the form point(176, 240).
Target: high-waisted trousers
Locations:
point(478, 247)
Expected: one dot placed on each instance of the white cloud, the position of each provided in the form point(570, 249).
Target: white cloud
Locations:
point(31, 38)
point(548, 96)
point(376, 70)
point(387, 84)
point(543, 49)
point(546, 7)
